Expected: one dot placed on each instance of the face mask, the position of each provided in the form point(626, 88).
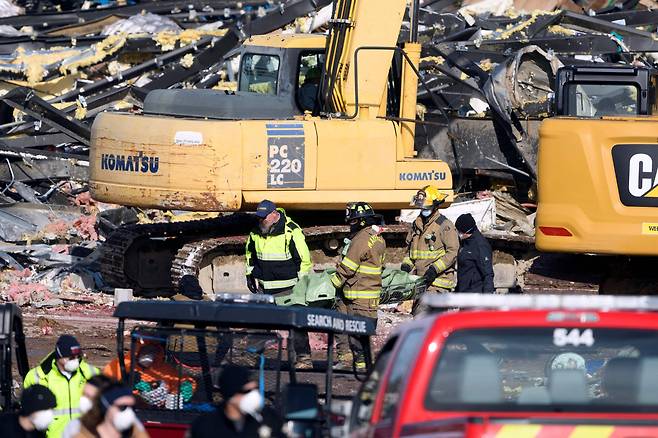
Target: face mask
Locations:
point(85, 404)
point(42, 419)
point(72, 365)
point(124, 420)
point(426, 212)
point(251, 403)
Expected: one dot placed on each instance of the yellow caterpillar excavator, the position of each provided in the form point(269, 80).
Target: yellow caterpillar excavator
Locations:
point(317, 121)
point(598, 171)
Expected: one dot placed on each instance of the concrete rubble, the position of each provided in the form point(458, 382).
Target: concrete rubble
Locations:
point(488, 68)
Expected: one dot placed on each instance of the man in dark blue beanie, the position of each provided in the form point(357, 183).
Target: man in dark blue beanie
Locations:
point(64, 371)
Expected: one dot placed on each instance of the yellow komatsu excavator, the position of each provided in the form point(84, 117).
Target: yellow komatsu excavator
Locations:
point(598, 170)
point(317, 121)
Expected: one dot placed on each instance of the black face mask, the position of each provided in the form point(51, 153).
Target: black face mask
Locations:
point(355, 228)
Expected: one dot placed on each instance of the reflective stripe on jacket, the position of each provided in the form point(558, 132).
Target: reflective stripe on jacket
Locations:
point(67, 391)
point(433, 242)
point(279, 258)
point(359, 273)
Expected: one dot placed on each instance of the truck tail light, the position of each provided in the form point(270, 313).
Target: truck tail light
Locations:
point(555, 231)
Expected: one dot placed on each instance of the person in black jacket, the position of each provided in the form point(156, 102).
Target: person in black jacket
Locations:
point(36, 414)
point(242, 412)
point(474, 260)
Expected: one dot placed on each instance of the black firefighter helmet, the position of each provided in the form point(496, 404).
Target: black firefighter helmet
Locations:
point(361, 213)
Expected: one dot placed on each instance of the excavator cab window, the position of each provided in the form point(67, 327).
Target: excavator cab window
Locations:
point(259, 73)
point(308, 79)
point(598, 91)
point(597, 100)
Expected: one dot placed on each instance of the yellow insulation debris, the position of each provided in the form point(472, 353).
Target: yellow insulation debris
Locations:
point(187, 60)
point(168, 40)
point(435, 59)
point(486, 65)
point(561, 30)
point(102, 49)
point(421, 110)
point(34, 62)
point(80, 111)
point(511, 30)
point(226, 85)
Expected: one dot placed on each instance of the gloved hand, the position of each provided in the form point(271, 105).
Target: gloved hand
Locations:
point(430, 275)
point(406, 268)
point(252, 284)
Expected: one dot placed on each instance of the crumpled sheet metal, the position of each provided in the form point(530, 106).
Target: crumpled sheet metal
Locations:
point(142, 23)
point(37, 65)
point(514, 92)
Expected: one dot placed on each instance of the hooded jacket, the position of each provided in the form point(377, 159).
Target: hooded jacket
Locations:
point(67, 390)
point(475, 265)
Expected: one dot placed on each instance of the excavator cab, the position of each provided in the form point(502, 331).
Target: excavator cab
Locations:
point(598, 163)
point(592, 92)
point(277, 76)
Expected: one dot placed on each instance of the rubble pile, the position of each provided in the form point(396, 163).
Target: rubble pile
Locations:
point(488, 69)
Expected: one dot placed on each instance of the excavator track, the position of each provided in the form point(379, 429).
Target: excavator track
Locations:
point(151, 258)
point(139, 256)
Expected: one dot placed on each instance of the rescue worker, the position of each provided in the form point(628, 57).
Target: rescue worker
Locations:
point(433, 245)
point(34, 417)
point(358, 278)
point(474, 262)
point(242, 412)
point(64, 372)
point(90, 392)
point(277, 256)
point(112, 415)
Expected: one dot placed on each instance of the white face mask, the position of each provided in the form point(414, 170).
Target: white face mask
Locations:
point(42, 419)
point(426, 212)
point(85, 404)
point(124, 420)
point(251, 403)
point(72, 365)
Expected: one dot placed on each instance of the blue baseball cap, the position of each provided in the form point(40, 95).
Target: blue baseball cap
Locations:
point(264, 208)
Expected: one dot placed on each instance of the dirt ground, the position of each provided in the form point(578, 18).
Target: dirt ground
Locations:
point(91, 324)
point(95, 327)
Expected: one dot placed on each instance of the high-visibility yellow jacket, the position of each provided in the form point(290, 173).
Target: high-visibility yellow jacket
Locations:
point(433, 242)
point(359, 273)
point(67, 390)
point(278, 259)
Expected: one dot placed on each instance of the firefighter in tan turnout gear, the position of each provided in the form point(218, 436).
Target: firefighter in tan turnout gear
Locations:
point(358, 278)
point(433, 244)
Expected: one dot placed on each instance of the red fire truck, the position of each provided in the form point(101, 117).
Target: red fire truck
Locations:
point(517, 366)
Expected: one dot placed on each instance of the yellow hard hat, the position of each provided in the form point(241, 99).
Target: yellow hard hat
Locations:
point(428, 196)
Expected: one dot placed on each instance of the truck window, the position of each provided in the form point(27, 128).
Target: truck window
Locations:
point(597, 100)
point(565, 369)
point(259, 73)
point(364, 402)
point(400, 369)
point(308, 79)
